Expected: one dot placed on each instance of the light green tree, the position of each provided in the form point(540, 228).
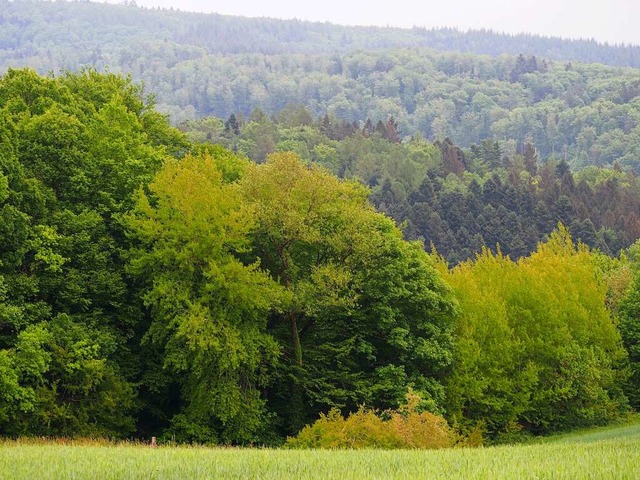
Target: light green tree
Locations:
point(208, 308)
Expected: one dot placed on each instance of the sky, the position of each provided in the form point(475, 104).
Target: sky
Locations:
point(613, 21)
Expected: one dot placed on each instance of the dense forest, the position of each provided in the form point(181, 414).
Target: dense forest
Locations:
point(530, 88)
point(221, 230)
point(155, 285)
point(584, 114)
point(458, 200)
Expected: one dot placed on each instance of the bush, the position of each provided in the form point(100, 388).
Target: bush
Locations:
point(403, 428)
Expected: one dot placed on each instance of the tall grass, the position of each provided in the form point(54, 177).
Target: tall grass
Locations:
point(588, 455)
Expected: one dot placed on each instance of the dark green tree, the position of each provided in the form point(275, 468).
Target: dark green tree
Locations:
point(366, 315)
point(73, 150)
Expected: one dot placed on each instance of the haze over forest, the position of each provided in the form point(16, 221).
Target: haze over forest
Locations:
point(610, 22)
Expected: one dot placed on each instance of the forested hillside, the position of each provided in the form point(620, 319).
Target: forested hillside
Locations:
point(153, 285)
point(30, 26)
point(199, 65)
point(585, 114)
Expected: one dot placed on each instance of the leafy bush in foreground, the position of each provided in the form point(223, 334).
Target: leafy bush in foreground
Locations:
point(402, 428)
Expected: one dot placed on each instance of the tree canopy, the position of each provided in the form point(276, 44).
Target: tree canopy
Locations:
point(536, 348)
point(73, 150)
point(152, 285)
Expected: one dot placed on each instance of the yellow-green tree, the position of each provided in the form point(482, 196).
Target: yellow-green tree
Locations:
point(208, 308)
point(536, 347)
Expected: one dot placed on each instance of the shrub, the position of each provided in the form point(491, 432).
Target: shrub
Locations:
point(402, 428)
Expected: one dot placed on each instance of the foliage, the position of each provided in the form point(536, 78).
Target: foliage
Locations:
point(73, 149)
point(208, 309)
point(535, 346)
point(459, 200)
point(403, 428)
point(153, 287)
point(366, 315)
point(537, 88)
point(183, 36)
point(629, 318)
point(249, 267)
point(58, 379)
point(586, 114)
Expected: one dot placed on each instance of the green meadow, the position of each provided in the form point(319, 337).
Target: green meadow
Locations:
point(605, 453)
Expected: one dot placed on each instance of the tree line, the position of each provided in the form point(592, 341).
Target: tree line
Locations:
point(152, 285)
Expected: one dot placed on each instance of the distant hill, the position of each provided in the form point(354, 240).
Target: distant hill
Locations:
point(440, 83)
point(50, 35)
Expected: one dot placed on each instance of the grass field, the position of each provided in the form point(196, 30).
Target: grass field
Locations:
point(607, 453)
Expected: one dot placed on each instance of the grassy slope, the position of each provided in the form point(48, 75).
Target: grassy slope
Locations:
point(630, 431)
point(606, 453)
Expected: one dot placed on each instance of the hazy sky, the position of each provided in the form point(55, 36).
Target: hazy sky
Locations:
point(614, 21)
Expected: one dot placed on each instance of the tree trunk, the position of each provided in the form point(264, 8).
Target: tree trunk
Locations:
point(295, 338)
